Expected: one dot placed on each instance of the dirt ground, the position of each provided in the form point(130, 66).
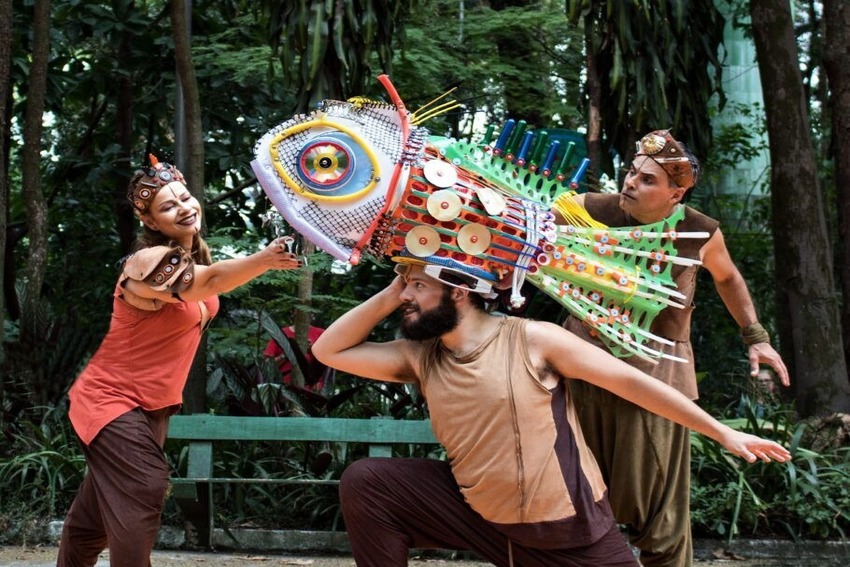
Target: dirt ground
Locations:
point(46, 557)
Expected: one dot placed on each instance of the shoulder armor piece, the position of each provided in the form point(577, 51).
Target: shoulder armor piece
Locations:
point(163, 268)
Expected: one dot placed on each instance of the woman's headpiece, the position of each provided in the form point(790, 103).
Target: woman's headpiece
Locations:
point(672, 156)
point(149, 180)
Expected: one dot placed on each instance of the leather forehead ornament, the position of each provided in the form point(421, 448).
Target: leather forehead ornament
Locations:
point(663, 149)
point(142, 192)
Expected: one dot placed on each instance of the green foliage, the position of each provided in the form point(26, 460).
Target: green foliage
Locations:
point(719, 353)
point(249, 383)
point(535, 80)
point(325, 48)
point(806, 498)
point(307, 500)
point(818, 499)
point(654, 72)
point(277, 506)
point(104, 51)
point(40, 472)
point(40, 364)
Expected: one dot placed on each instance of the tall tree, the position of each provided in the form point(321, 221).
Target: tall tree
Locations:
point(109, 102)
point(837, 63)
point(594, 103)
point(523, 91)
point(125, 87)
point(466, 45)
point(31, 159)
point(5, 91)
point(193, 169)
point(194, 394)
point(808, 312)
point(327, 46)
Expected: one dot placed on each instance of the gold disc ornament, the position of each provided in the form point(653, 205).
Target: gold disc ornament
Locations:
point(473, 239)
point(422, 241)
point(444, 205)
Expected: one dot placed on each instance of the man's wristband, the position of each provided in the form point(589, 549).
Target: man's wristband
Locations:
point(754, 334)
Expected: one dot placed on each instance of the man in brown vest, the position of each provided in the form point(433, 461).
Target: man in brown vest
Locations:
point(519, 486)
point(645, 460)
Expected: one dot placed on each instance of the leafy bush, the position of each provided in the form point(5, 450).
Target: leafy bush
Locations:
point(39, 476)
point(806, 498)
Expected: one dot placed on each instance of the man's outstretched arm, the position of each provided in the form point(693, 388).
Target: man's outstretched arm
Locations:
point(344, 346)
point(733, 291)
point(573, 357)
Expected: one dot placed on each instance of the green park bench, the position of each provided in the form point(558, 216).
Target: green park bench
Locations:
point(194, 492)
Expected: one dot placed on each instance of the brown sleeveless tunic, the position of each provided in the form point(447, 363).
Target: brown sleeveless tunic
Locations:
point(515, 447)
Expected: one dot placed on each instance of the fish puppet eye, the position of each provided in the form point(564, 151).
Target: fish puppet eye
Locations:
point(334, 165)
point(326, 164)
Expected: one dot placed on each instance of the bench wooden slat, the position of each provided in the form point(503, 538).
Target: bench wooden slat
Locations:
point(234, 428)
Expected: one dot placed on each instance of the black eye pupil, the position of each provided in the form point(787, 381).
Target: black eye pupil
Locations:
point(325, 162)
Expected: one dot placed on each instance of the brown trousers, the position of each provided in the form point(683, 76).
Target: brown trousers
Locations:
point(120, 501)
point(393, 505)
point(646, 462)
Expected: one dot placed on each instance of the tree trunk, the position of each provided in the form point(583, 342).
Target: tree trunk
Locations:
point(654, 62)
point(837, 62)
point(5, 100)
point(5, 89)
point(126, 219)
point(193, 169)
point(303, 316)
point(31, 158)
point(195, 392)
point(807, 308)
point(594, 111)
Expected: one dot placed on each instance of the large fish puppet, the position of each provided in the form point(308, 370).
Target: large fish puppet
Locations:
point(362, 178)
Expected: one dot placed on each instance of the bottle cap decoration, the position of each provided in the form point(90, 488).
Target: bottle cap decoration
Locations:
point(422, 241)
point(473, 239)
point(444, 205)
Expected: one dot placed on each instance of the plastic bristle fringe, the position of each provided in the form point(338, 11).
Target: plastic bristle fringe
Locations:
point(573, 213)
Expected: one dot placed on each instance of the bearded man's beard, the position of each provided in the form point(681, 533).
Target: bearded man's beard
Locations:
point(432, 323)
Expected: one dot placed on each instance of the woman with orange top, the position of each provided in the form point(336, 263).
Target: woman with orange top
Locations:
point(165, 297)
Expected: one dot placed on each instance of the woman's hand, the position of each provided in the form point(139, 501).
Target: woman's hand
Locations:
point(276, 256)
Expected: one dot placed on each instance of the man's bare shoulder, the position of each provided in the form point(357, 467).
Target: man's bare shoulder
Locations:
point(544, 332)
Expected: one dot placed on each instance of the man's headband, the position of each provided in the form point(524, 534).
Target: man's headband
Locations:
point(449, 276)
point(149, 180)
point(663, 149)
